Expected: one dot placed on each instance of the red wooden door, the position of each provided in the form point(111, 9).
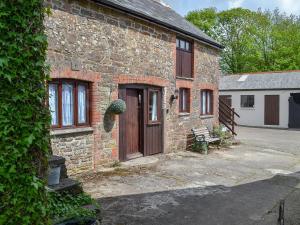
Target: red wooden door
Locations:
point(186, 64)
point(131, 124)
point(271, 109)
point(141, 126)
point(227, 99)
point(132, 121)
point(153, 125)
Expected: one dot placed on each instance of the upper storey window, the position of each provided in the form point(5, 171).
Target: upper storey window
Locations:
point(184, 56)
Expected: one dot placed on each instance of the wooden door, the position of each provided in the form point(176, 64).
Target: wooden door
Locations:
point(141, 126)
point(227, 99)
point(186, 64)
point(294, 110)
point(153, 124)
point(131, 124)
point(271, 109)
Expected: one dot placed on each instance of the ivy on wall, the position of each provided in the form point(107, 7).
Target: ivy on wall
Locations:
point(24, 117)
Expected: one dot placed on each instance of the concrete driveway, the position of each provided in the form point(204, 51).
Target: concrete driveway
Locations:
point(237, 186)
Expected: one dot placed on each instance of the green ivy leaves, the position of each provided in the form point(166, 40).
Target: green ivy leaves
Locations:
point(24, 117)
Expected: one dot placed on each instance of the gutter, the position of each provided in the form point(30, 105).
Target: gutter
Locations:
point(153, 20)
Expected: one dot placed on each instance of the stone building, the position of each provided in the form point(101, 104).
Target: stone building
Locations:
point(141, 51)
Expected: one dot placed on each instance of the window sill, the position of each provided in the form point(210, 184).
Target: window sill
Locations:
point(206, 116)
point(153, 123)
point(247, 108)
point(77, 130)
point(185, 78)
point(184, 114)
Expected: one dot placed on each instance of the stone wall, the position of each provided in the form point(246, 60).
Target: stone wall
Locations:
point(77, 149)
point(124, 49)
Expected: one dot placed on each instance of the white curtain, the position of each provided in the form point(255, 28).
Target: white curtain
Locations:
point(53, 103)
point(208, 102)
point(203, 102)
point(154, 106)
point(67, 104)
point(184, 107)
point(81, 104)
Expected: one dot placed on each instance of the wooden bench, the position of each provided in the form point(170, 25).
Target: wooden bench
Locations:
point(202, 135)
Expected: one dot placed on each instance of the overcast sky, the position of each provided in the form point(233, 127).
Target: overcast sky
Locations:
point(183, 6)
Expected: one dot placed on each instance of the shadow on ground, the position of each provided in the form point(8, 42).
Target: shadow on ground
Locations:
point(252, 203)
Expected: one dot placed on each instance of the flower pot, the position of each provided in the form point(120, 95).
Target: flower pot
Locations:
point(54, 175)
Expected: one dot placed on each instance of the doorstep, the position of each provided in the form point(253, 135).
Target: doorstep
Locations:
point(133, 164)
point(147, 161)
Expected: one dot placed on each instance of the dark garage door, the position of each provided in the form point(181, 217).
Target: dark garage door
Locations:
point(294, 111)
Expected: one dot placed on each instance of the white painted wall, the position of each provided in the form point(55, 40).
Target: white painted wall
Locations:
point(255, 116)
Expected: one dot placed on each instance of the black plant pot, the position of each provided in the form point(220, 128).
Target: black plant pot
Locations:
point(79, 221)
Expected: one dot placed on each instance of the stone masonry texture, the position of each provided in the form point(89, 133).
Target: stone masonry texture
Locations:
point(118, 49)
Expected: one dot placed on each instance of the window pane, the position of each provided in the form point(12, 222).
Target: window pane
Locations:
point(184, 108)
point(251, 101)
point(243, 101)
point(67, 104)
point(247, 101)
point(187, 46)
point(153, 106)
point(182, 44)
point(177, 43)
point(53, 103)
point(82, 105)
point(184, 95)
point(208, 102)
point(203, 102)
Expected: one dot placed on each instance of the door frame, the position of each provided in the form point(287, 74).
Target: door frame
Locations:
point(122, 122)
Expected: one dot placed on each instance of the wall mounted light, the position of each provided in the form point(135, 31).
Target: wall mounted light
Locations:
point(175, 95)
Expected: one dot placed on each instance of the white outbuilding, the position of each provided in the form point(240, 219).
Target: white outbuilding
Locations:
point(264, 99)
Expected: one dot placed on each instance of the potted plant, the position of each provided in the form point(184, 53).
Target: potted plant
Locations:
point(117, 107)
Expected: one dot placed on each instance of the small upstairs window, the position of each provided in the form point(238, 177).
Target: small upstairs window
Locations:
point(184, 62)
point(69, 103)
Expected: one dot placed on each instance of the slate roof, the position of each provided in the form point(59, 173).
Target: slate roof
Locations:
point(160, 14)
point(262, 81)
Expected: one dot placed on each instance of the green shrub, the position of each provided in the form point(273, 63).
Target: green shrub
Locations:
point(64, 206)
point(24, 117)
point(200, 147)
point(225, 136)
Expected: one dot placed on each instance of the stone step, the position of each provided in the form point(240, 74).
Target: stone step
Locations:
point(67, 185)
point(54, 161)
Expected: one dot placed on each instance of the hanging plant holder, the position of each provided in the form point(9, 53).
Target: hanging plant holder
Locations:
point(117, 107)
